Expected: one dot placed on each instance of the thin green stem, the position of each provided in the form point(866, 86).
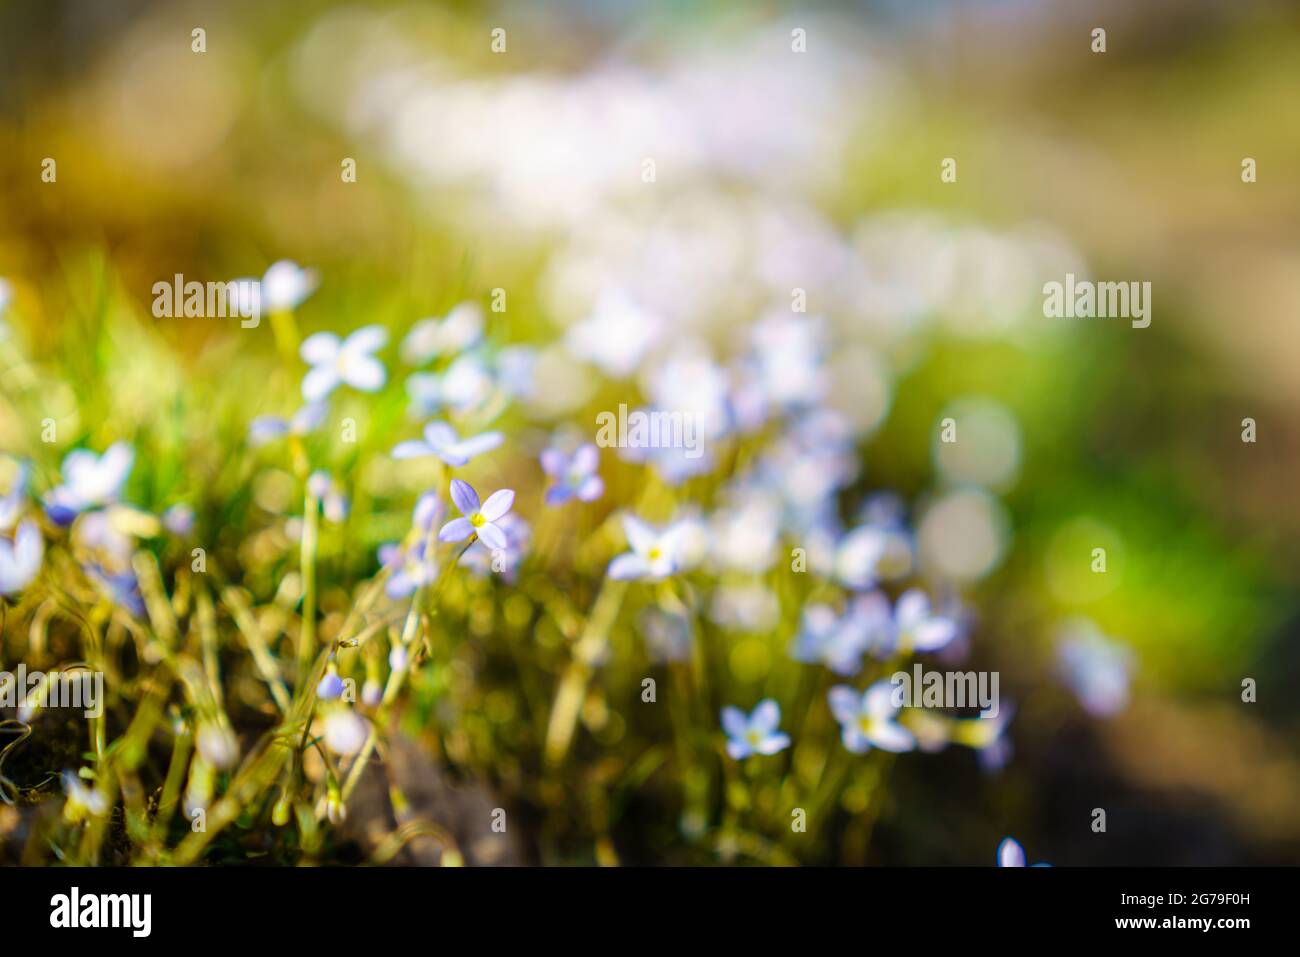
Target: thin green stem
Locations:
point(586, 653)
point(307, 630)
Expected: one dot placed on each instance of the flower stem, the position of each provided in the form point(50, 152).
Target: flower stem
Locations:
point(307, 630)
point(398, 676)
point(586, 653)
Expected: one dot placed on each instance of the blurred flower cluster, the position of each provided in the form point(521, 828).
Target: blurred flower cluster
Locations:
point(749, 544)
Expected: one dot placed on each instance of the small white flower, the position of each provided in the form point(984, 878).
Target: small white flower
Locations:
point(89, 481)
point(464, 386)
point(869, 719)
point(916, 628)
point(286, 285)
point(347, 361)
point(654, 553)
point(690, 382)
point(859, 555)
point(840, 641)
point(267, 428)
point(788, 352)
point(756, 733)
point(440, 439)
point(616, 336)
point(428, 338)
point(477, 520)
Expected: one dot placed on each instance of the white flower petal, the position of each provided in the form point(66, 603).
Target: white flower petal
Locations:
point(319, 382)
point(498, 504)
point(889, 736)
point(734, 722)
point(933, 634)
point(640, 536)
point(845, 704)
point(913, 607)
point(492, 536)
point(320, 349)
point(363, 372)
point(286, 284)
point(878, 701)
point(628, 566)
point(457, 530)
point(366, 339)
point(479, 444)
point(411, 449)
point(766, 717)
point(1010, 853)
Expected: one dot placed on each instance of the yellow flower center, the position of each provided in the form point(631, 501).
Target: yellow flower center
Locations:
point(477, 520)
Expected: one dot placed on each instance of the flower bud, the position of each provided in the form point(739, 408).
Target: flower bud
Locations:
point(331, 686)
point(280, 813)
point(345, 733)
point(217, 745)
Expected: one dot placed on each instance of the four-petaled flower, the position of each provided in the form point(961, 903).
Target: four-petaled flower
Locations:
point(412, 566)
point(476, 519)
point(869, 719)
point(756, 733)
point(20, 559)
point(462, 327)
point(653, 554)
point(89, 481)
point(839, 642)
point(268, 428)
point(465, 385)
point(916, 628)
point(440, 439)
point(575, 476)
point(409, 567)
point(336, 361)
